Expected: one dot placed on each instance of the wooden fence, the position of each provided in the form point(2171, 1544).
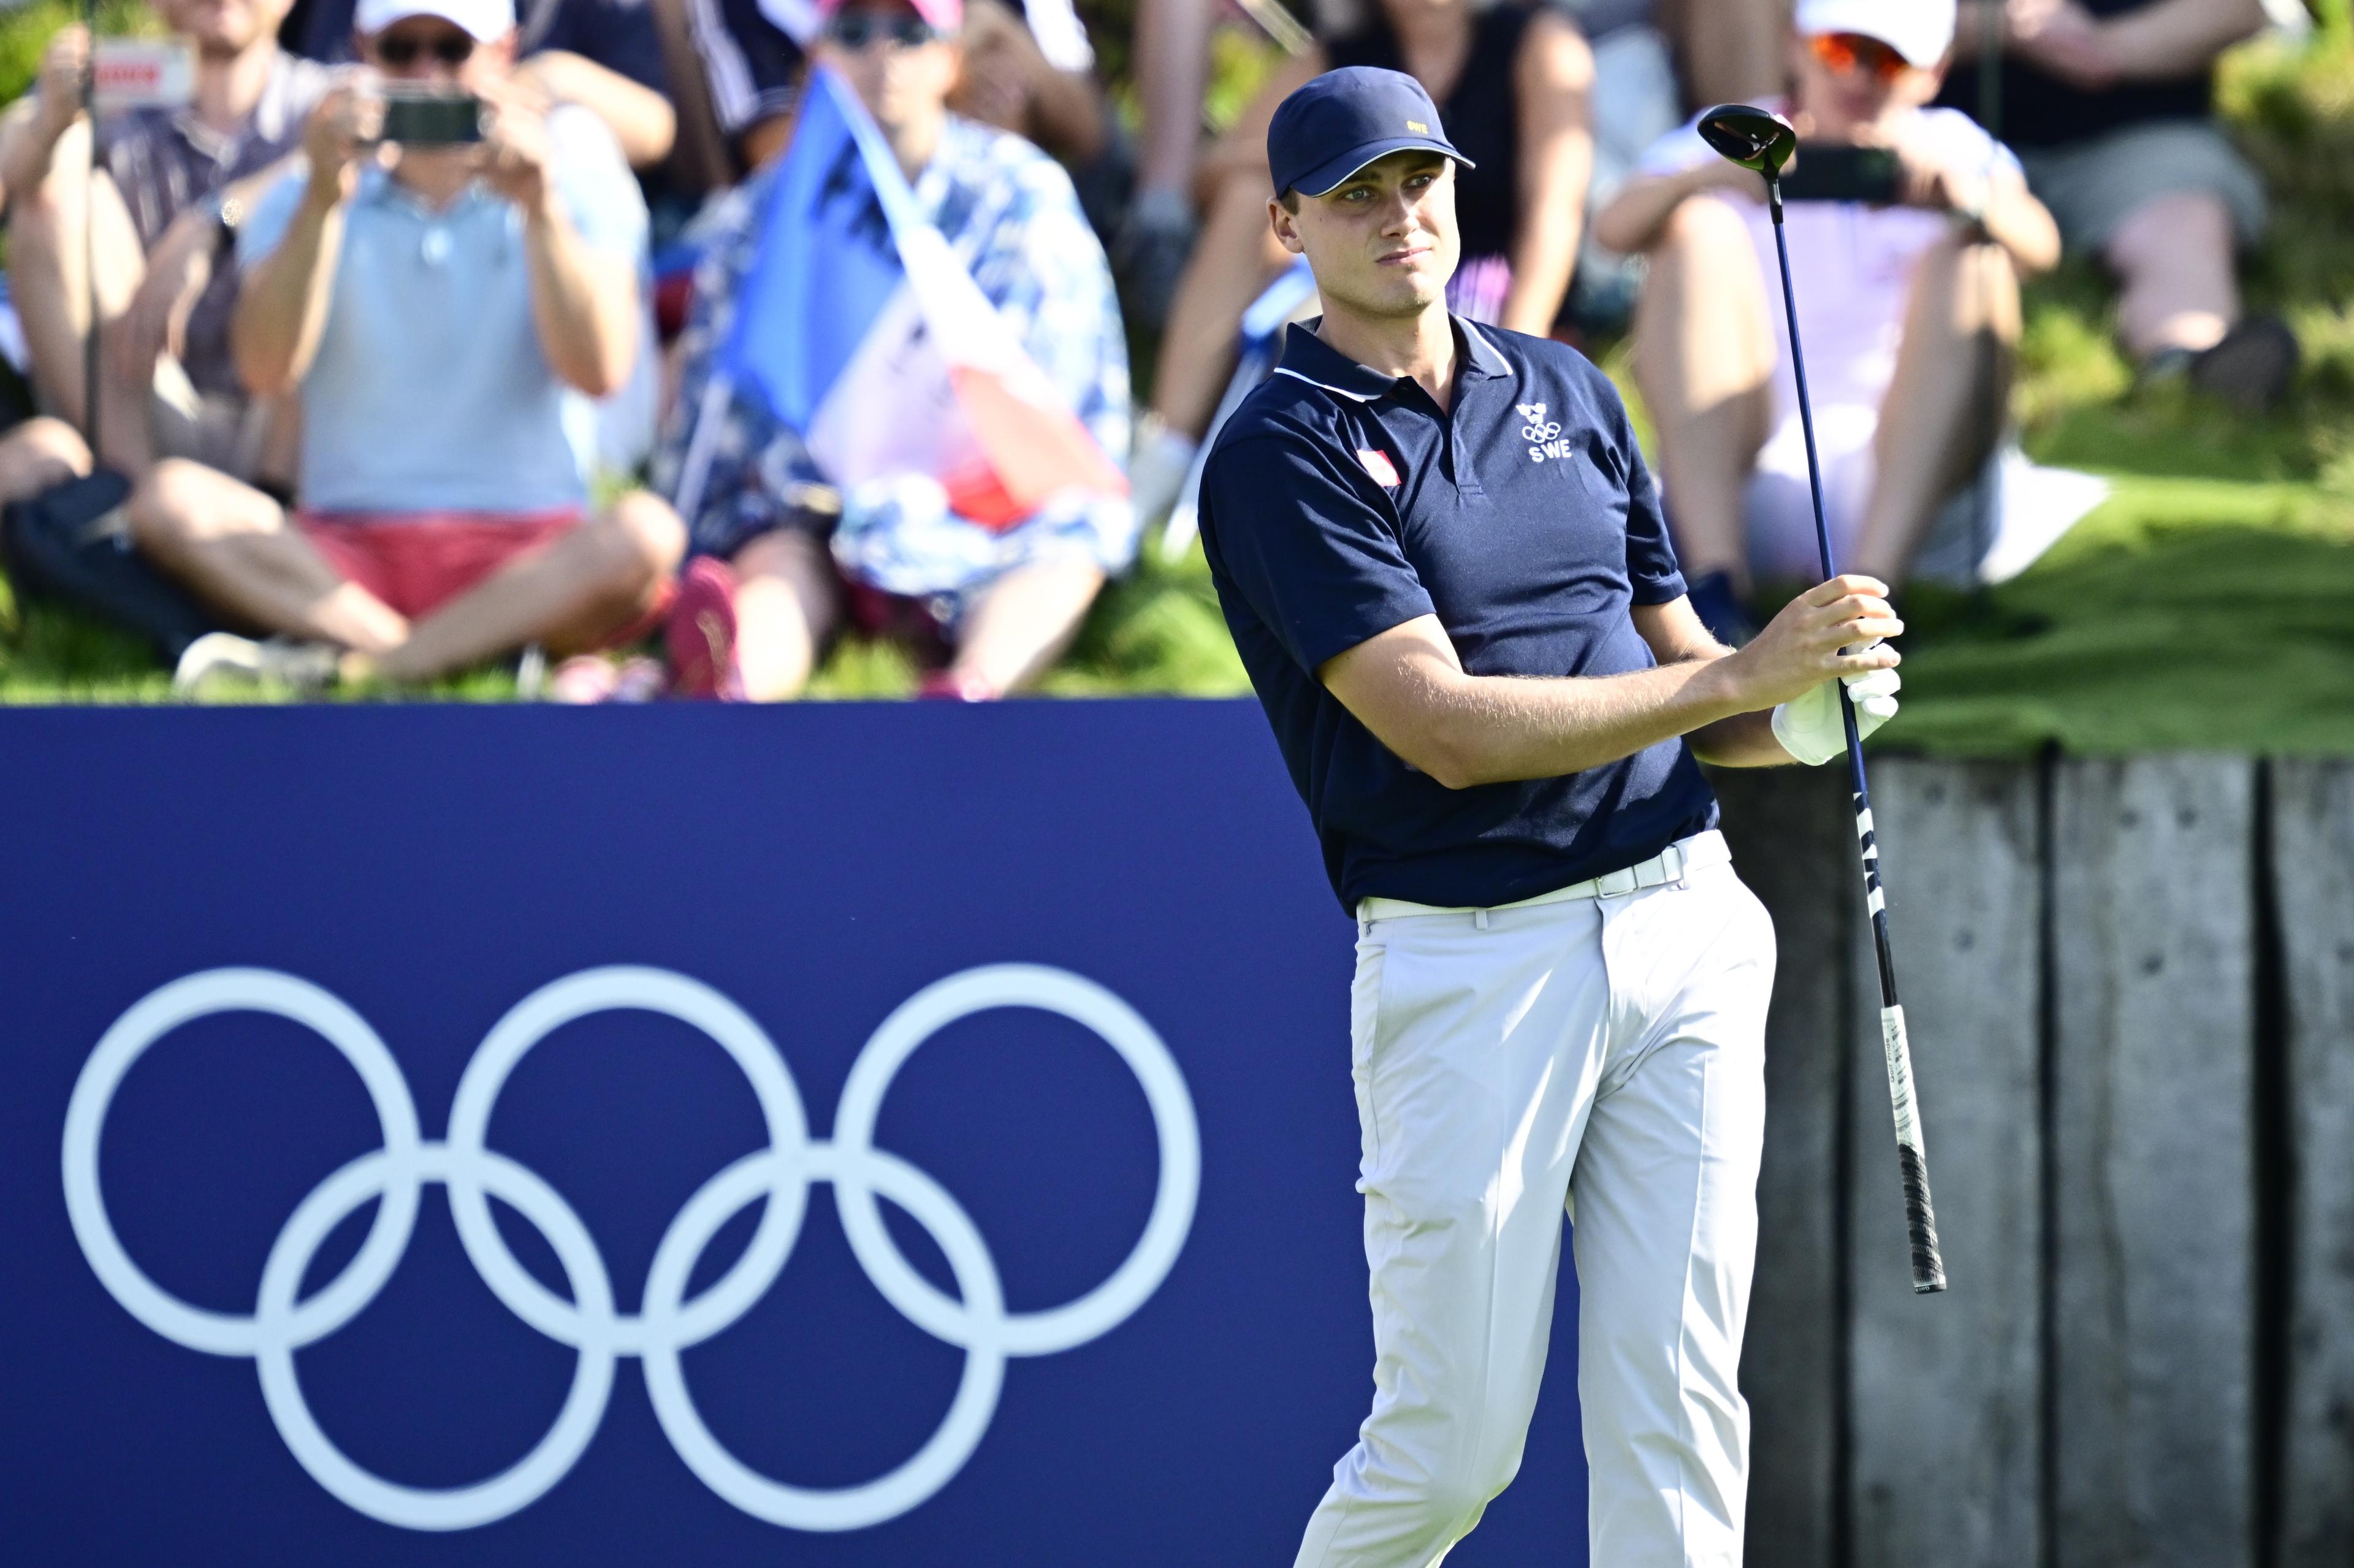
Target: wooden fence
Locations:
point(2131, 991)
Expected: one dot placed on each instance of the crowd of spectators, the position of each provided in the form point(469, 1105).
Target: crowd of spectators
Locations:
point(385, 411)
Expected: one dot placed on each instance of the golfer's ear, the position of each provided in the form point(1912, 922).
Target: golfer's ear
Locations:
point(1286, 227)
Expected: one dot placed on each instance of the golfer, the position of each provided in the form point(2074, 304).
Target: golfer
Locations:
point(1446, 569)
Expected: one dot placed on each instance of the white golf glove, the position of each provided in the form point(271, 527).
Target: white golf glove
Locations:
point(1809, 727)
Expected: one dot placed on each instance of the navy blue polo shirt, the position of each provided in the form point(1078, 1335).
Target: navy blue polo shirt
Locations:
point(1339, 502)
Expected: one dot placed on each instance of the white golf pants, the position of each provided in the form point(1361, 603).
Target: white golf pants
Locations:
point(1603, 1057)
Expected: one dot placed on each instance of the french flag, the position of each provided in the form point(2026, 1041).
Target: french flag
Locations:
point(863, 333)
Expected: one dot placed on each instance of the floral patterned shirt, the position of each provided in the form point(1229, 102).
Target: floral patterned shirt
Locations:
point(1010, 214)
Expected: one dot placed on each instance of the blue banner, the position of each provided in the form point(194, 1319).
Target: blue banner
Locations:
point(894, 1134)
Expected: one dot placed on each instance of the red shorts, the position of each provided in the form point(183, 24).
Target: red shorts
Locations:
point(419, 561)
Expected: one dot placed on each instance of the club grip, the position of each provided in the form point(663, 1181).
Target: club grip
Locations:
point(1920, 1215)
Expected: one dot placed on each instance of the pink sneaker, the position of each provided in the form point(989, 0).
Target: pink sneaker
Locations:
point(701, 635)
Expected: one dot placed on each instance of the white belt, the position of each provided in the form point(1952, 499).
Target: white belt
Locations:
point(1671, 865)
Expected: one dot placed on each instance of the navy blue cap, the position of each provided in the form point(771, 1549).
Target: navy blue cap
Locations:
point(1344, 120)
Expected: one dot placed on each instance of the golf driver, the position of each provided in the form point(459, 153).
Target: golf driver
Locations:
point(1763, 143)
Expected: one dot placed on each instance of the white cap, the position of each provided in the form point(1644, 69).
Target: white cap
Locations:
point(487, 20)
point(1920, 30)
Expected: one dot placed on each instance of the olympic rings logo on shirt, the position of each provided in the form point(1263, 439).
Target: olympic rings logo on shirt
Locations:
point(1539, 428)
point(668, 1321)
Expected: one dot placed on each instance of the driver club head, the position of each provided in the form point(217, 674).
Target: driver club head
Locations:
point(1754, 138)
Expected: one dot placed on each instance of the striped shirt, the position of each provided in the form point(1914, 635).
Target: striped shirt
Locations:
point(165, 161)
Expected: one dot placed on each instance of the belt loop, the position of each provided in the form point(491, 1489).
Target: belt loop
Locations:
point(1480, 918)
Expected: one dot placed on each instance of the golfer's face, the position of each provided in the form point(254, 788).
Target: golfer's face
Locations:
point(1383, 241)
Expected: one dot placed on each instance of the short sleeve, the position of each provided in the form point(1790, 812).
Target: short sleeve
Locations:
point(601, 195)
point(1653, 573)
point(1679, 150)
point(264, 228)
point(1305, 541)
point(1967, 144)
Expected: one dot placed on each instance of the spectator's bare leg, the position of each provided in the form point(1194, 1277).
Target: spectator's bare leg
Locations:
point(1172, 66)
point(1232, 264)
point(1727, 51)
point(48, 277)
point(1023, 622)
point(594, 579)
point(2173, 256)
point(1946, 407)
point(235, 548)
point(37, 454)
point(1704, 359)
point(787, 603)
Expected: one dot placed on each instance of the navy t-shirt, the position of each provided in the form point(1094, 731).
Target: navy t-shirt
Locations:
point(1338, 503)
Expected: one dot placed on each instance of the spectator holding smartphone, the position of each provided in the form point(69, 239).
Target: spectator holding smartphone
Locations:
point(442, 310)
point(153, 220)
point(1908, 304)
point(606, 55)
point(2111, 104)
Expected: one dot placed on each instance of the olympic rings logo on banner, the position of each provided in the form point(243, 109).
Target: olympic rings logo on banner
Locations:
point(668, 1320)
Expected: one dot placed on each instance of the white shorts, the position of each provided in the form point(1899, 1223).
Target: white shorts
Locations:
point(1779, 505)
point(1602, 1059)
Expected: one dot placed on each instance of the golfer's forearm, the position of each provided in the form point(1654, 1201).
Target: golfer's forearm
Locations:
point(1501, 729)
point(1744, 740)
point(282, 307)
point(2179, 37)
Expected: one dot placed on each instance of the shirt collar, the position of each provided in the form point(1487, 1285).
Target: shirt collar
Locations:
point(273, 120)
point(1307, 357)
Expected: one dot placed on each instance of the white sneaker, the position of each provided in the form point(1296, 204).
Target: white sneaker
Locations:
point(303, 666)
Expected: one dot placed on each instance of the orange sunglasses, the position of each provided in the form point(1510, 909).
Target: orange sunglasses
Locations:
point(1844, 52)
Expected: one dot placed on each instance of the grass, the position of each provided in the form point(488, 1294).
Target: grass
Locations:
point(2209, 603)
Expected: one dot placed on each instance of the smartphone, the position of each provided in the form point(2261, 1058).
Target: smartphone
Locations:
point(429, 119)
point(1834, 171)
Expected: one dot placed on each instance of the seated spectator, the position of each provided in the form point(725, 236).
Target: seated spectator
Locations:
point(440, 309)
point(766, 593)
point(604, 54)
point(168, 385)
point(1029, 71)
point(1510, 81)
point(2111, 105)
point(1909, 313)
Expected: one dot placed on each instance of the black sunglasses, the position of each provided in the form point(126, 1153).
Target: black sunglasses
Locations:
point(854, 30)
point(401, 52)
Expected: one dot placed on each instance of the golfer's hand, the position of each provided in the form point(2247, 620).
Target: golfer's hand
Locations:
point(1831, 629)
point(1810, 729)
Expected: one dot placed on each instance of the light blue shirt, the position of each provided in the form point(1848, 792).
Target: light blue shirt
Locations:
point(429, 392)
